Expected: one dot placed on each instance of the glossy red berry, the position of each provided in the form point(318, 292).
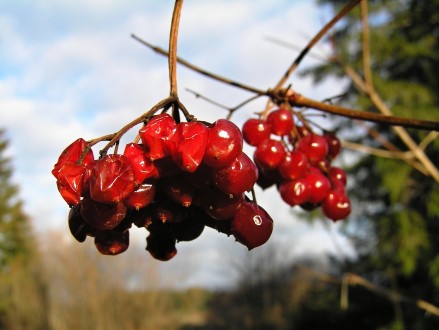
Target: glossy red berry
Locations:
point(314, 147)
point(219, 205)
point(255, 131)
point(269, 154)
point(281, 121)
point(112, 179)
point(224, 143)
point(237, 177)
point(178, 190)
point(337, 174)
point(336, 205)
point(334, 145)
point(320, 186)
point(293, 165)
point(251, 225)
point(295, 192)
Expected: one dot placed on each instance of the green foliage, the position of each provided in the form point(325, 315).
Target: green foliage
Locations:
point(396, 204)
point(15, 237)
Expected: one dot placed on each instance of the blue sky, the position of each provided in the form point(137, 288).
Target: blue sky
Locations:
point(70, 69)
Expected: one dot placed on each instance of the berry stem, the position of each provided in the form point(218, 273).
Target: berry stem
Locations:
point(172, 57)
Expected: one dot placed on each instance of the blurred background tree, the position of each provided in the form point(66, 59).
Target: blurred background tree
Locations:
point(396, 220)
point(22, 291)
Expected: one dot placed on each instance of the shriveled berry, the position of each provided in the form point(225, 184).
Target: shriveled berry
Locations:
point(189, 145)
point(251, 225)
point(142, 166)
point(112, 179)
point(72, 154)
point(70, 182)
point(156, 135)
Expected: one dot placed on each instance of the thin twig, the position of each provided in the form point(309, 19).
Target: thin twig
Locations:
point(367, 69)
point(199, 70)
point(354, 279)
point(343, 12)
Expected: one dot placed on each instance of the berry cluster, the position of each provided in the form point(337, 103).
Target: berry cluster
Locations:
point(298, 162)
point(181, 177)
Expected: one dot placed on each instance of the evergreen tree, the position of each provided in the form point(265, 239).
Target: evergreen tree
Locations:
point(23, 293)
point(15, 236)
point(396, 224)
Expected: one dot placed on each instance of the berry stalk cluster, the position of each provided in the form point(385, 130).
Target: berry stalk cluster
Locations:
point(298, 161)
point(179, 178)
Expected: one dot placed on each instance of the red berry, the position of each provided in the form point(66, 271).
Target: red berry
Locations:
point(112, 242)
point(142, 166)
point(221, 206)
point(112, 179)
point(336, 205)
point(255, 131)
point(334, 145)
point(70, 182)
point(294, 165)
point(237, 177)
point(79, 228)
point(314, 147)
point(141, 197)
point(156, 135)
point(251, 225)
point(201, 178)
point(295, 192)
point(192, 225)
point(102, 216)
point(337, 174)
point(178, 190)
point(161, 245)
point(72, 154)
point(224, 143)
point(269, 154)
point(189, 145)
point(281, 121)
point(320, 186)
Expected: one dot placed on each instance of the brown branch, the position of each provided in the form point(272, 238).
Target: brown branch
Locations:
point(343, 12)
point(367, 69)
point(302, 101)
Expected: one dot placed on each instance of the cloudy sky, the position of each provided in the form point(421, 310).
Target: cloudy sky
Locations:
point(70, 69)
